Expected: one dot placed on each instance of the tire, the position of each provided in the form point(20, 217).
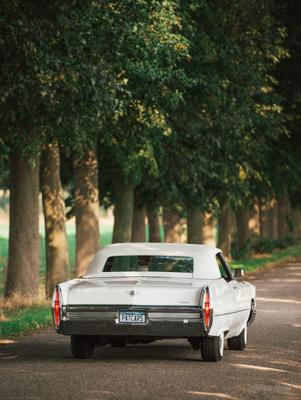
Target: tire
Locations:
point(212, 348)
point(82, 346)
point(238, 342)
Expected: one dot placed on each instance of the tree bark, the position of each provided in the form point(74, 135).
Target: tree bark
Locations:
point(139, 215)
point(173, 228)
point(296, 217)
point(23, 258)
point(225, 230)
point(242, 222)
point(273, 219)
point(194, 225)
point(254, 219)
point(263, 220)
point(283, 215)
point(154, 225)
point(208, 230)
point(57, 259)
point(86, 209)
point(123, 211)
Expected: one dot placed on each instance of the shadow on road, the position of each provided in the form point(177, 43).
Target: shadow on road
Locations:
point(35, 351)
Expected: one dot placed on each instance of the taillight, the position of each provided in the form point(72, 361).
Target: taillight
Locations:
point(206, 309)
point(56, 307)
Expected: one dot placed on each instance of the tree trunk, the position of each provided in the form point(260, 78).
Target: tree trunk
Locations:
point(254, 219)
point(57, 259)
point(264, 220)
point(296, 217)
point(173, 228)
point(139, 215)
point(242, 222)
point(123, 212)
point(225, 229)
point(23, 258)
point(154, 225)
point(86, 209)
point(273, 220)
point(194, 225)
point(283, 215)
point(208, 230)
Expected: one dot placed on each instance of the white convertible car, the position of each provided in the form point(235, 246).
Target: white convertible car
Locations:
point(141, 292)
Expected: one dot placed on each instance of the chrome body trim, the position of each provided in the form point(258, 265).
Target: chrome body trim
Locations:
point(107, 307)
point(109, 312)
point(161, 321)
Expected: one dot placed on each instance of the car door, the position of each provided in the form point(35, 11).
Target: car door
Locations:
point(240, 307)
point(233, 285)
point(228, 294)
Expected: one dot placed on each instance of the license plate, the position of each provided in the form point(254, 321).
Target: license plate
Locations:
point(132, 317)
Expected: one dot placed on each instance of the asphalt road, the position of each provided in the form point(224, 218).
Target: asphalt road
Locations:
point(39, 366)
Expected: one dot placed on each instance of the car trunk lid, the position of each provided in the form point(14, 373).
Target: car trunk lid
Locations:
point(135, 291)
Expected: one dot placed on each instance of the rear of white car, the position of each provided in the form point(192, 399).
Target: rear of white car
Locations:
point(143, 292)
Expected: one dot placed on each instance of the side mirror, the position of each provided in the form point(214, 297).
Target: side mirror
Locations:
point(238, 273)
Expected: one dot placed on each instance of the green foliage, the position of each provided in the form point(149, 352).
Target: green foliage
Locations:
point(192, 102)
point(285, 154)
point(229, 112)
point(54, 81)
point(146, 48)
point(181, 94)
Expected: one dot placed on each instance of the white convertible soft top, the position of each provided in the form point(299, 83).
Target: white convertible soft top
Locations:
point(205, 265)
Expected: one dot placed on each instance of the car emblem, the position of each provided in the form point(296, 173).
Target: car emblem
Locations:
point(132, 292)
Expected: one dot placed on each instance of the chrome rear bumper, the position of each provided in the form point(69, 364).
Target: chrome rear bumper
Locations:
point(161, 321)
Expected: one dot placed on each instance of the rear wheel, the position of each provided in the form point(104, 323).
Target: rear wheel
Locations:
point(238, 342)
point(82, 346)
point(212, 348)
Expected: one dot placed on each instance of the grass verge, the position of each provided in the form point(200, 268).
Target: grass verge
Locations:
point(263, 261)
point(19, 315)
point(22, 320)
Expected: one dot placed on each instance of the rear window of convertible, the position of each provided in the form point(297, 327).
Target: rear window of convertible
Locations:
point(149, 264)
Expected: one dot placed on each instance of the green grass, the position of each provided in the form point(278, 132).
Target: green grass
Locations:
point(23, 320)
point(262, 261)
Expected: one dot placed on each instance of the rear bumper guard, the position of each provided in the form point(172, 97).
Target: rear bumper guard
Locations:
point(161, 321)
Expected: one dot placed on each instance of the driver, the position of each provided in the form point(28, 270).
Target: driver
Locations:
point(143, 263)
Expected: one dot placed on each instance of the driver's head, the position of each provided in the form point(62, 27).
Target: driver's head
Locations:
point(143, 262)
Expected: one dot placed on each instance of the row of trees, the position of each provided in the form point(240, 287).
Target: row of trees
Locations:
point(192, 106)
